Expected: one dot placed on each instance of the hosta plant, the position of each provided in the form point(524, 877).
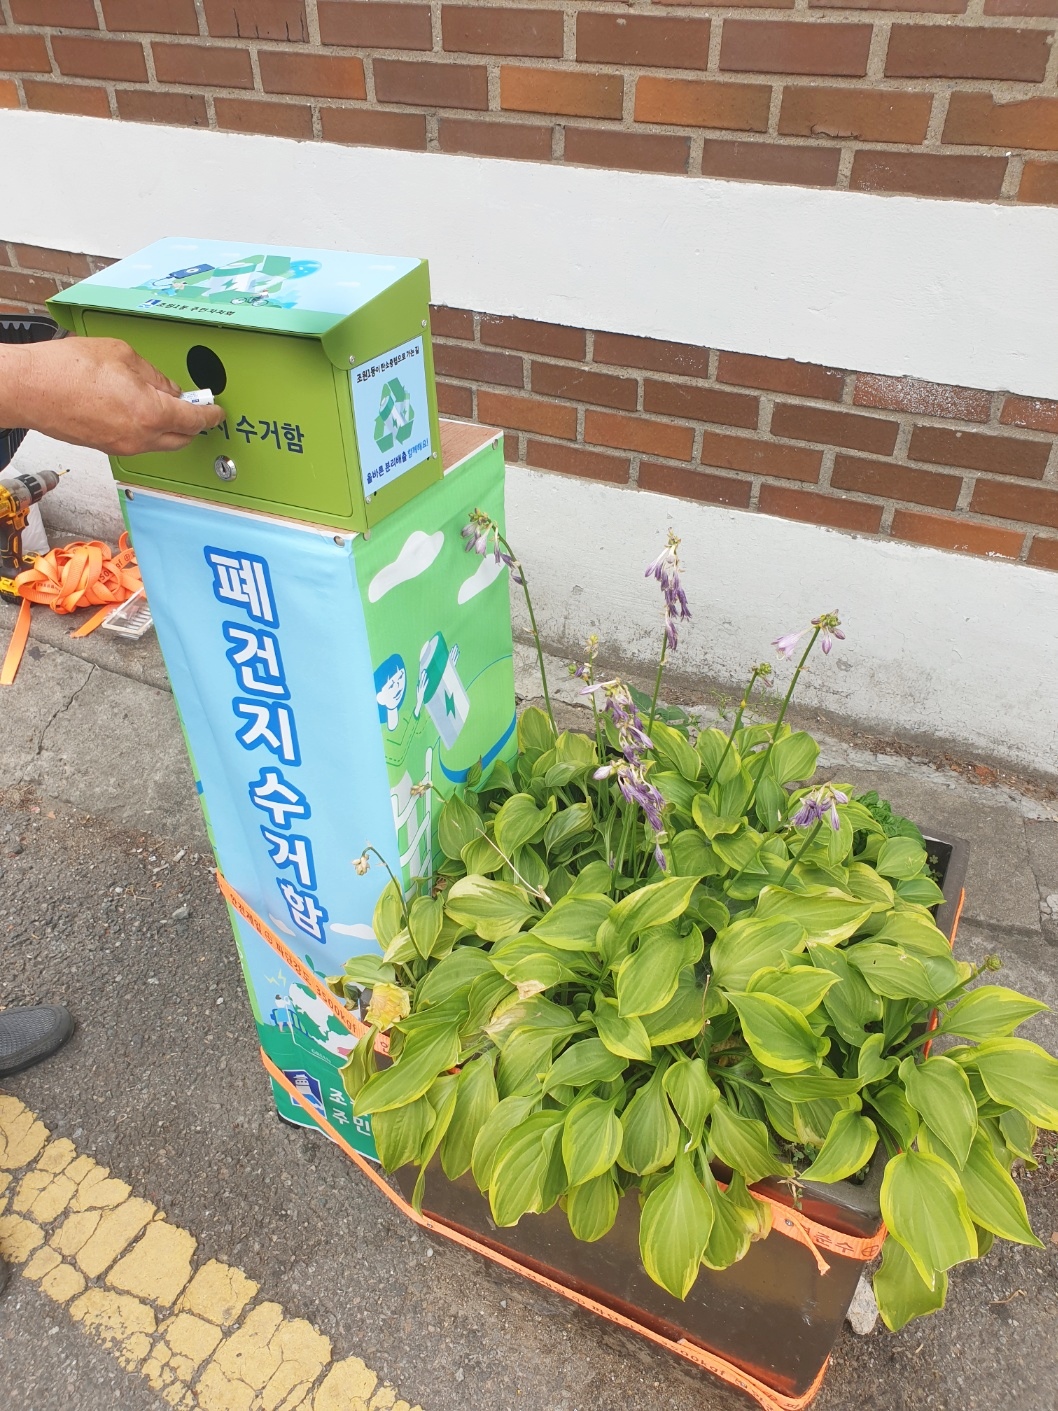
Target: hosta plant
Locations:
point(656, 964)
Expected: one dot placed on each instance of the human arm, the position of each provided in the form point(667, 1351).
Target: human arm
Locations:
point(97, 392)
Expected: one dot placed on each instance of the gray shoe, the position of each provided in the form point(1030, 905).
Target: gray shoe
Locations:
point(30, 1034)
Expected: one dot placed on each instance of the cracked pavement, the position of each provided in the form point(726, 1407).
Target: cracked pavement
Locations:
point(108, 904)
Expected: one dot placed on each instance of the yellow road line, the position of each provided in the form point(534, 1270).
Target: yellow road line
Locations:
point(198, 1331)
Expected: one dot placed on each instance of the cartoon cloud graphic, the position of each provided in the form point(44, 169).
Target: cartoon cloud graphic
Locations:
point(488, 571)
point(415, 557)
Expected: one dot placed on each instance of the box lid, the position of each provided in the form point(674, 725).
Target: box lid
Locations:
point(240, 284)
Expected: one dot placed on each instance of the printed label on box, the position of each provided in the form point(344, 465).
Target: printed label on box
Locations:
point(392, 414)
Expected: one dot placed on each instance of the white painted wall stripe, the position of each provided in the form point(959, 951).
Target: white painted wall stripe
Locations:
point(951, 291)
point(952, 647)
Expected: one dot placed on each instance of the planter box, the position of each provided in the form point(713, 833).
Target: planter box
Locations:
point(774, 1316)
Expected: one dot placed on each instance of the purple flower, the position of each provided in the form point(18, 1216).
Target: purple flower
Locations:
point(830, 628)
point(786, 646)
point(613, 699)
point(820, 804)
point(666, 568)
point(483, 537)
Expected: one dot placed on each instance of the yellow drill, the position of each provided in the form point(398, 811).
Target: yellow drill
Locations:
point(18, 493)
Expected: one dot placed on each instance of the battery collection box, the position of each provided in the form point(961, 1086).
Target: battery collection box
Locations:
point(321, 360)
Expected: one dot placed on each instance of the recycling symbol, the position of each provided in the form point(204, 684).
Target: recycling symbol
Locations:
point(396, 416)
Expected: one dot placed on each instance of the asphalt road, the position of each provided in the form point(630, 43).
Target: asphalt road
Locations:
point(162, 1083)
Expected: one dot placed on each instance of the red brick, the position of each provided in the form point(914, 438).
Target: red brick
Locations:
point(26, 288)
point(97, 58)
point(976, 450)
point(696, 403)
point(755, 457)
point(55, 14)
point(1043, 552)
point(8, 93)
point(273, 119)
point(644, 40)
point(770, 161)
point(834, 428)
point(204, 66)
point(578, 384)
point(550, 340)
point(170, 109)
point(1039, 183)
point(527, 414)
point(150, 16)
point(687, 102)
point(627, 151)
point(681, 359)
point(374, 24)
point(1031, 412)
point(813, 508)
point(451, 323)
point(735, 5)
point(453, 400)
point(24, 53)
point(60, 97)
point(912, 7)
point(870, 115)
point(909, 394)
point(477, 365)
point(1031, 504)
point(575, 460)
point(1021, 7)
point(977, 120)
point(792, 46)
point(575, 95)
point(955, 51)
point(431, 85)
point(52, 261)
point(963, 535)
point(825, 384)
point(522, 141)
point(694, 485)
point(362, 127)
point(510, 31)
point(896, 482)
point(633, 433)
point(257, 19)
point(928, 174)
point(311, 75)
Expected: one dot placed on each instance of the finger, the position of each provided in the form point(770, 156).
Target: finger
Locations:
point(156, 378)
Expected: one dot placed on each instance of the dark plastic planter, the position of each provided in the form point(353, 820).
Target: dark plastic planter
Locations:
point(32, 328)
point(774, 1315)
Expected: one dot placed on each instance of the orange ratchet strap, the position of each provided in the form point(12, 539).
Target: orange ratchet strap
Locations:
point(78, 575)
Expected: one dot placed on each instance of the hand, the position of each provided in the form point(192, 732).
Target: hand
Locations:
point(97, 392)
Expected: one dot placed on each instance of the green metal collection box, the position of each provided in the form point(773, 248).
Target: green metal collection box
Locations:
point(321, 360)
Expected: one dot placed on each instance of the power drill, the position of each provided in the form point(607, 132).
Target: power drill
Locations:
point(18, 493)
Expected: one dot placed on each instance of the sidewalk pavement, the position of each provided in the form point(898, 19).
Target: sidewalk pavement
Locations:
point(108, 903)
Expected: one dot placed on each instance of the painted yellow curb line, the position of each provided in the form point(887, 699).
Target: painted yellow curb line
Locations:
point(197, 1331)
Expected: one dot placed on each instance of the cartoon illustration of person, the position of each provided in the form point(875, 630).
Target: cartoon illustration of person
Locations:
point(282, 1016)
point(391, 682)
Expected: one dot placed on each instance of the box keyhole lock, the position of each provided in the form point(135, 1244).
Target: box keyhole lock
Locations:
point(225, 468)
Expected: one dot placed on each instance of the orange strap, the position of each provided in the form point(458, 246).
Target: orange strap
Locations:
point(16, 646)
point(344, 1016)
point(79, 575)
point(764, 1396)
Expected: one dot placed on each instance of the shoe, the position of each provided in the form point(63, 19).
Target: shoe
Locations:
point(30, 1034)
point(4, 1272)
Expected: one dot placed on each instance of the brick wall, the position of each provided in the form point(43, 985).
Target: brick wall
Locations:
point(954, 467)
point(950, 98)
